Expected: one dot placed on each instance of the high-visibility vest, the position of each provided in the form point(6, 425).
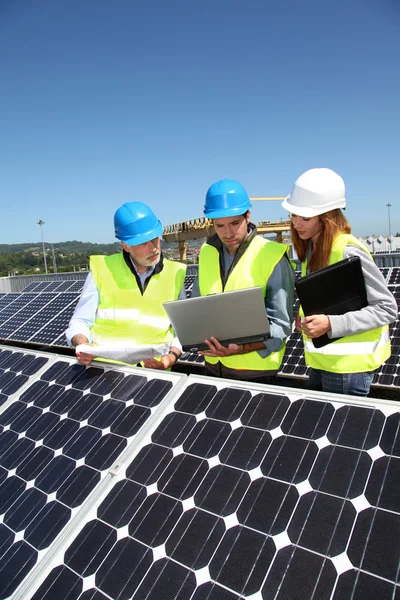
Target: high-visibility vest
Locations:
point(123, 313)
point(357, 353)
point(253, 269)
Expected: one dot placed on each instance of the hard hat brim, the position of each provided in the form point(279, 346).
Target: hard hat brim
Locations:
point(310, 211)
point(142, 238)
point(221, 213)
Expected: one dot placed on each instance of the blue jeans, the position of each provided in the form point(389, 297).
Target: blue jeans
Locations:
point(355, 384)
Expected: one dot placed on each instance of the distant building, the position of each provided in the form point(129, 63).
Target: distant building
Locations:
point(376, 244)
point(381, 243)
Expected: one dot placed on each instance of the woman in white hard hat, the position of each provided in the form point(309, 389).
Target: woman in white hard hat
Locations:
point(321, 236)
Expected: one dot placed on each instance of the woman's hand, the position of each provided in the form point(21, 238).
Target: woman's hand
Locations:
point(297, 323)
point(315, 326)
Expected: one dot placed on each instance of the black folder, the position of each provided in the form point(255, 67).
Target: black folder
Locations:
point(334, 290)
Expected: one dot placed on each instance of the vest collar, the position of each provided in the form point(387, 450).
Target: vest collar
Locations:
point(157, 269)
point(218, 245)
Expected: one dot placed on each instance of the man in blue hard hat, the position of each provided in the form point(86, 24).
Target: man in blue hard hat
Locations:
point(122, 299)
point(235, 257)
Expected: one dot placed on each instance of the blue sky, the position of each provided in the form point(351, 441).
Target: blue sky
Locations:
point(107, 102)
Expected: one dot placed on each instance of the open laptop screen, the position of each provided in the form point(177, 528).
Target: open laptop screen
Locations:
point(231, 317)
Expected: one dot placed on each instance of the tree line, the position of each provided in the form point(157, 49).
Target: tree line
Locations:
point(27, 259)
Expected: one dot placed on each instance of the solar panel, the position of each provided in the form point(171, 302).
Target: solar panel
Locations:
point(77, 286)
point(188, 283)
point(58, 442)
point(6, 299)
point(32, 286)
point(60, 341)
point(65, 286)
point(25, 312)
point(43, 286)
point(14, 303)
point(55, 286)
point(385, 272)
point(51, 331)
point(42, 318)
point(394, 276)
point(38, 317)
point(254, 492)
point(388, 375)
point(17, 368)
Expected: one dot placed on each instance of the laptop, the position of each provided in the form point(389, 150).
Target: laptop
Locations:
point(334, 290)
point(236, 317)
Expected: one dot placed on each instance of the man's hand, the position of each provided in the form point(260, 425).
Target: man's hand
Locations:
point(165, 362)
point(316, 325)
point(297, 323)
point(215, 349)
point(82, 357)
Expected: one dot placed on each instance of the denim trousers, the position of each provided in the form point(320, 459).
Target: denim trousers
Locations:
point(355, 384)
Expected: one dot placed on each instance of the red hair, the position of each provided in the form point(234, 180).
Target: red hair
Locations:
point(333, 224)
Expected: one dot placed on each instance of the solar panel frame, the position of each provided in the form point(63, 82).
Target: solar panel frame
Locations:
point(231, 536)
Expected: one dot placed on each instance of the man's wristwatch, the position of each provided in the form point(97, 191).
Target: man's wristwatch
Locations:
point(174, 353)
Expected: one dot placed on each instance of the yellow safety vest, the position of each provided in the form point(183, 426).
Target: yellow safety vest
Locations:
point(353, 353)
point(123, 313)
point(253, 269)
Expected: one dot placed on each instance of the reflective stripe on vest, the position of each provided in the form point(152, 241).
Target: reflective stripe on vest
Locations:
point(124, 314)
point(353, 353)
point(253, 269)
point(346, 348)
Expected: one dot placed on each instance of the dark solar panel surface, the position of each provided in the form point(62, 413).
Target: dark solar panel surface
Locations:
point(394, 276)
point(29, 308)
point(246, 493)
point(31, 287)
point(76, 286)
point(16, 303)
point(60, 341)
point(189, 280)
point(293, 363)
point(16, 369)
point(58, 440)
point(389, 373)
point(50, 333)
point(6, 299)
point(41, 316)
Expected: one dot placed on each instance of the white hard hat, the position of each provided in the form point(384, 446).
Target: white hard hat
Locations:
point(316, 192)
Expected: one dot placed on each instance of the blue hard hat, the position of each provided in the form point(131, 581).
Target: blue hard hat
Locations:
point(135, 223)
point(226, 198)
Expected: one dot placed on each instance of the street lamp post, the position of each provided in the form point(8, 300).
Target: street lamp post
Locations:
point(54, 258)
point(390, 231)
point(41, 223)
